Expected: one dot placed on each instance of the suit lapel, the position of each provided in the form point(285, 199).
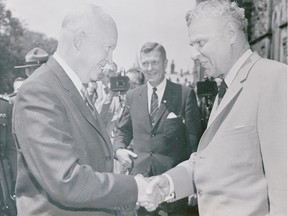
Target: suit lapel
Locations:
point(235, 87)
point(77, 99)
point(227, 102)
point(165, 103)
point(142, 102)
point(213, 128)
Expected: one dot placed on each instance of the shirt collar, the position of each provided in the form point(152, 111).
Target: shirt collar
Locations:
point(71, 74)
point(159, 87)
point(236, 67)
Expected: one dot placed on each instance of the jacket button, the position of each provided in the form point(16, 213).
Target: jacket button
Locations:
point(200, 193)
point(108, 157)
point(151, 153)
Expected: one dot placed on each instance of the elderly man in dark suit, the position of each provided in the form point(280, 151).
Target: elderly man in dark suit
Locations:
point(163, 120)
point(65, 157)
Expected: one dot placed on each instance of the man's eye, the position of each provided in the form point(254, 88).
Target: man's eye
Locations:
point(154, 63)
point(201, 43)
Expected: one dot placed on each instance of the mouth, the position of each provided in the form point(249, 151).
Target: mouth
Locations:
point(151, 73)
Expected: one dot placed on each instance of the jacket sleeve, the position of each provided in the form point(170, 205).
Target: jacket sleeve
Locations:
point(192, 121)
point(183, 178)
point(44, 136)
point(124, 133)
point(272, 132)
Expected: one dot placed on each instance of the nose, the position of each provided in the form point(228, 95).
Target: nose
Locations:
point(195, 53)
point(109, 56)
point(149, 67)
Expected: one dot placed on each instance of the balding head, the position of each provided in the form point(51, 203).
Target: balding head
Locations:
point(84, 17)
point(88, 37)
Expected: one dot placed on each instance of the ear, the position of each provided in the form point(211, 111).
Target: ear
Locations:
point(78, 39)
point(165, 63)
point(231, 32)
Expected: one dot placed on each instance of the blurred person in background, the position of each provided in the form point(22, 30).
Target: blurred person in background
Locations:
point(17, 83)
point(104, 93)
point(136, 77)
point(8, 160)
point(33, 60)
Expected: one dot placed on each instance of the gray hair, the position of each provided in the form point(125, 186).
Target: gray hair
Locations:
point(224, 9)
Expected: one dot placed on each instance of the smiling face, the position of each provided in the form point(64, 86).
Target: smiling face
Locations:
point(153, 65)
point(210, 46)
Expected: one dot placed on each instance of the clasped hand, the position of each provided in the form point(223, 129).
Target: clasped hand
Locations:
point(152, 191)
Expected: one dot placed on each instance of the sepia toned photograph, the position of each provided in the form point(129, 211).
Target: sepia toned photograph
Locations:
point(143, 108)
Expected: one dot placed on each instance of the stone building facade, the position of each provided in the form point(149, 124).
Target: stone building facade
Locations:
point(267, 29)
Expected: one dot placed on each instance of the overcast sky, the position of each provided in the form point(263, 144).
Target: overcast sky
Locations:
point(138, 21)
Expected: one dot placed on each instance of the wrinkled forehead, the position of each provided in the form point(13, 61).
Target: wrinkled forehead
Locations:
point(204, 26)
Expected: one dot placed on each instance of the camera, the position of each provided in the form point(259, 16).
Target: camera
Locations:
point(119, 83)
point(207, 88)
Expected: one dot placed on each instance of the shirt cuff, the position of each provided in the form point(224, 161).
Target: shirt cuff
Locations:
point(172, 189)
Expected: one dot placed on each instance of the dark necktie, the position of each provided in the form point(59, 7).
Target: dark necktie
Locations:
point(87, 99)
point(221, 91)
point(154, 106)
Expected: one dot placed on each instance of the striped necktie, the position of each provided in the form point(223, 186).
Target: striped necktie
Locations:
point(87, 100)
point(154, 106)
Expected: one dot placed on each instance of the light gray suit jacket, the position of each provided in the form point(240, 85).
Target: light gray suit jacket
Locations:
point(240, 167)
point(65, 156)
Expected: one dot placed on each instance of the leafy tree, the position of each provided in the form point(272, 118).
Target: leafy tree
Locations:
point(10, 31)
point(15, 42)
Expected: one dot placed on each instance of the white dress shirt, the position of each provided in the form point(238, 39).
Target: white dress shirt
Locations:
point(160, 92)
point(229, 79)
point(71, 74)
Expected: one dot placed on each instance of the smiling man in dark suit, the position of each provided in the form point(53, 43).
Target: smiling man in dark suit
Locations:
point(163, 120)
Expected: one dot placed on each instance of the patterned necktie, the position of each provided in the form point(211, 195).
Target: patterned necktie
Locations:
point(221, 91)
point(154, 106)
point(87, 100)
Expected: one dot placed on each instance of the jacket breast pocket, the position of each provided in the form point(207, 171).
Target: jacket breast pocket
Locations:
point(239, 130)
point(173, 127)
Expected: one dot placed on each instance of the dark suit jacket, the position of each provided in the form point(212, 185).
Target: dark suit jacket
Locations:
point(64, 154)
point(171, 140)
point(10, 149)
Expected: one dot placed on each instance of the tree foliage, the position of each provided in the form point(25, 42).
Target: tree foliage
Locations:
point(15, 42)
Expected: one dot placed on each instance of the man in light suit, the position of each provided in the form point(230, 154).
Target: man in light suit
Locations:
point(240, 167)
point(65, 157)
point(172, 136)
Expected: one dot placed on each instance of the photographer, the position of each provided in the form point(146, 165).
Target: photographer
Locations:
point(111, 89)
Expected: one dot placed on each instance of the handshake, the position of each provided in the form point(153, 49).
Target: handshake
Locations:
point(152, 191)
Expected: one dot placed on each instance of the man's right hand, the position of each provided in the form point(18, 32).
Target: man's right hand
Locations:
point(158, 187)
point(125, 157)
